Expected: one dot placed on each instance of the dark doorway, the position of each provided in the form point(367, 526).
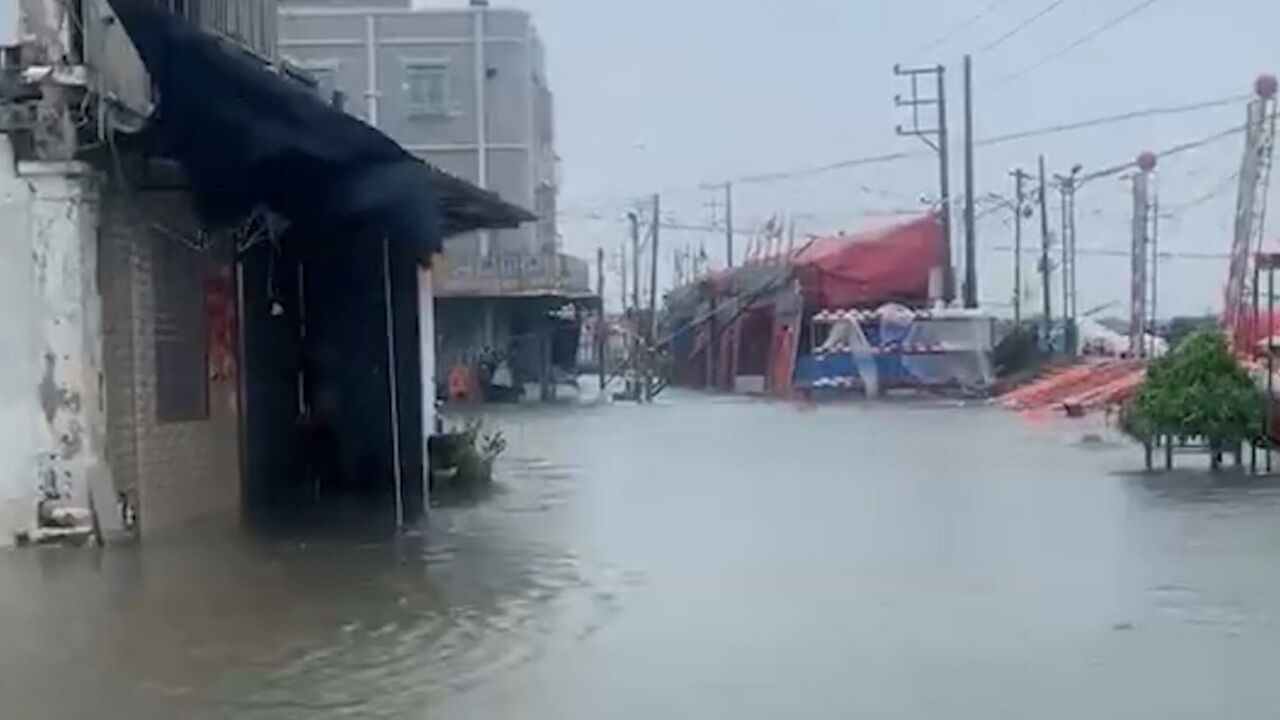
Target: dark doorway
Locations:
point(321, 436)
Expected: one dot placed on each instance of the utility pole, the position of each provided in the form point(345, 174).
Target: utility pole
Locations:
point(728, 224)
point(622, 284)
point(602, 327)
point(650, 344)
point(1065, 265)
point(1019, 194)
point(1155, 263)
point(635, 260)
point(653, 270)
point(970, 226)
point(1139, 256)
point(935, 137)
point(1044, 258)
point(633, 317)
point(1067, 187)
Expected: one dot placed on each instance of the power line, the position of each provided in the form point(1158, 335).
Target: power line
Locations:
point(960, 27)
point(1126, 254)
point(793, 173)
point(1109, 119)
point(1220, 187)
point(1175, 150)
point(1078, 42)
point(1020, 27)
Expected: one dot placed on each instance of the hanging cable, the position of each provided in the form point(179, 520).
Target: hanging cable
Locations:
point(1078, 42)
point(960, 27)
point(1220, 187)
point(782, 175)
point(1020, 27)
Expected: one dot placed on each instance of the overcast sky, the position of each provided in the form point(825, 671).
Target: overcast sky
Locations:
point(668, 94)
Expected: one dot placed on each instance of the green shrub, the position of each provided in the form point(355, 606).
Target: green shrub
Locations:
point(1198, 390)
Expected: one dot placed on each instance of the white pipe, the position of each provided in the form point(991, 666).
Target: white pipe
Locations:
point(482, 100)
point(371, 94)
point(480, 76)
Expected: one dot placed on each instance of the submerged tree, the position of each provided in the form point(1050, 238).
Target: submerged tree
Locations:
point(1197, 391)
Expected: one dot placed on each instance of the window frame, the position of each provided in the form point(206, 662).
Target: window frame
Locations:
point(427, 65)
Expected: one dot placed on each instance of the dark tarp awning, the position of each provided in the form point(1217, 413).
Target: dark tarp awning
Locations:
point(248, 137)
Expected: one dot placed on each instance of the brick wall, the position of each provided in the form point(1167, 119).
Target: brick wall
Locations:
point(170, 473)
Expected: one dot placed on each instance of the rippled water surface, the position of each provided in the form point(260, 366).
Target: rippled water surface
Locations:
point(701, 558)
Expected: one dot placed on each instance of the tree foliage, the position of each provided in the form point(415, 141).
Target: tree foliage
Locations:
point(1198, 390)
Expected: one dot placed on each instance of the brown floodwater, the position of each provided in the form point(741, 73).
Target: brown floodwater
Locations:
point(701, 558)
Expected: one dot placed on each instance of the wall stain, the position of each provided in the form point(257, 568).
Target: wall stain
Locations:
point(49, 397)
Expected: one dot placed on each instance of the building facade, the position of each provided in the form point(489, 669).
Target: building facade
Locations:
point(466, 89)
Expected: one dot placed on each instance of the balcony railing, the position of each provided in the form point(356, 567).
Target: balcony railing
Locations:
point(514, 275)
point(249, 23)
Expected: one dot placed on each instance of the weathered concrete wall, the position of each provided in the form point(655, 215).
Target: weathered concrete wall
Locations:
point(19, 366)
point(172, 473)
point(52, 422)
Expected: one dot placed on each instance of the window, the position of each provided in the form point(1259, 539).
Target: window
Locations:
point(426, 87)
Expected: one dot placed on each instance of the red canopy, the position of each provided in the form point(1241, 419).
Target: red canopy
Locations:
point(892, 264)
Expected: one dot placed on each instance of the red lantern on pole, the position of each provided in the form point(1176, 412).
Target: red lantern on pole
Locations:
point(1265, 86)
point(1147, 161)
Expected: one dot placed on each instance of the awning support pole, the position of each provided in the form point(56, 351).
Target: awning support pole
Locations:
point(392, 379)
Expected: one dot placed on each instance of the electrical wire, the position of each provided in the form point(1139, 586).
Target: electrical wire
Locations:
point(1110, 119)
point(1077, 42)
point(960, 27)
point(1107, 252)
point(1175, 150)
point(1220, 187)
point(1020, 27)
point(793, 173)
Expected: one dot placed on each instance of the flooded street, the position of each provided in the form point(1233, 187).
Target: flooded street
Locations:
point(702, 558)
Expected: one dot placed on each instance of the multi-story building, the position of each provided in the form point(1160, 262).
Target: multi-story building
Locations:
point(465, 88)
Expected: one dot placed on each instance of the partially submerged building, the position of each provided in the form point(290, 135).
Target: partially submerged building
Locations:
point(218, 286)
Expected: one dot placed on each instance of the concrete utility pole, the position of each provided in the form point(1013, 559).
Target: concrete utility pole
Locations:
point(1067, 189)
point(970, 226)
point(653, 270)
point(728, 224)
point(1139, 257)
point(936, 138)
point(622, 276)
point(1155, 263)
point(652, 335)
point(635, 260)
point(602, 326)
point(1065, 265)
point(1044, 257)
point(1020, 199)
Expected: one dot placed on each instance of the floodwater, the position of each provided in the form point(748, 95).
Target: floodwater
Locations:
point(702, 558)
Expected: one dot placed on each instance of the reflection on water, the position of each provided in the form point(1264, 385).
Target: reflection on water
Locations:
point(322, 623)
point(710, 558)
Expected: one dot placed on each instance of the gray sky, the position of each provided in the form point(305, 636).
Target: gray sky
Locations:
point(667, 94)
